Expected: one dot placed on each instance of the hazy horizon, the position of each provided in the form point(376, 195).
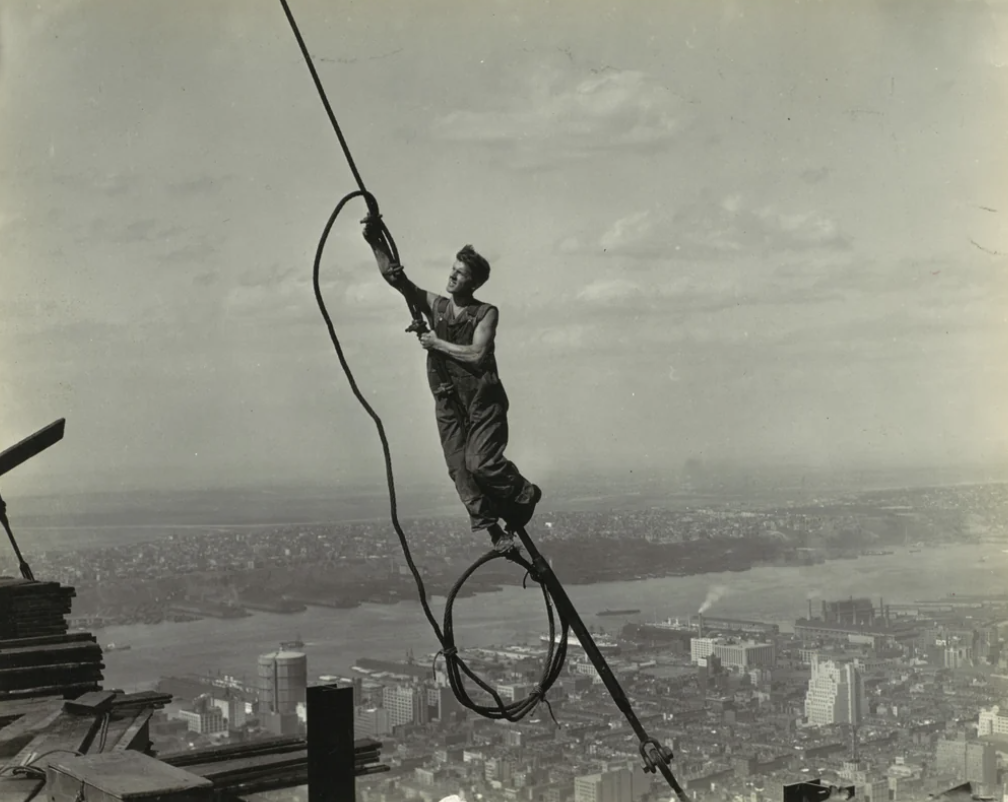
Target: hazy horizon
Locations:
point(746, 235)
point(321, 503)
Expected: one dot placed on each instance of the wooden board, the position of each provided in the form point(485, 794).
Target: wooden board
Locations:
point(16, 736)
point(122, 777)
point(32, 445)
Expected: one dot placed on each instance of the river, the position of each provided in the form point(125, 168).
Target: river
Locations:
point(335, 639)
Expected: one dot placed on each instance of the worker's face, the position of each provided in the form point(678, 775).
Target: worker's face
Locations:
point(460, 279)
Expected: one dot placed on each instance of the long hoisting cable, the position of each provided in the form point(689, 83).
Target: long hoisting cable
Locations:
point(455, 665)
point(322, 96)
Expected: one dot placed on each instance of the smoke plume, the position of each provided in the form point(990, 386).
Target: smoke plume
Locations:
point(714, 595)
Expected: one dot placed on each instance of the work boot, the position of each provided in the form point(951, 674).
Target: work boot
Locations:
point(525, 507)
point(502, 541)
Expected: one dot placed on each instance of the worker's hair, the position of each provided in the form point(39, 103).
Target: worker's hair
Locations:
point(478, 266)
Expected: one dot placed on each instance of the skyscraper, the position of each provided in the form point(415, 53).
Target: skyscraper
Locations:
point(991, 721)
point(970, 761)
point(406, 704)
point(607, 786)
point(835, 694)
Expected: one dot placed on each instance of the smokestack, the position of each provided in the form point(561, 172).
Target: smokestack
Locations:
point(700, 623)
point(810, 609)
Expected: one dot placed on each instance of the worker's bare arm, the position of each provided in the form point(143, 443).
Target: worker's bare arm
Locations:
point(394, 274)
point(482, 342)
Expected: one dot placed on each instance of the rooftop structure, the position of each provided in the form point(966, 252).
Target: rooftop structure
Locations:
point(705, 623)
point(63, 735)
point(816, 629)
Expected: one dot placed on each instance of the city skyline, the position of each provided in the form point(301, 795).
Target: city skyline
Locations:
point(803, 627)
point(734, 233)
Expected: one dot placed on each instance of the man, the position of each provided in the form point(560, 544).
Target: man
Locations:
point(470, 403)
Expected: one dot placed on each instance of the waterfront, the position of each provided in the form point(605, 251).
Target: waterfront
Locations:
point(336, 638)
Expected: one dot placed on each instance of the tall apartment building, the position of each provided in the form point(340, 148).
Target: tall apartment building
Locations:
point(969, 761)
point(204, 718)
point(206, 722)
point(442, 704)
point(701, 649)
point(371, 722)
point(406, 704)
point(835, 694)
point(746, 655)
point(740, 656)
point(874, 789)
point(992, 721)
point(233, 710)
point(617, 781)
point(957, 656)
point(607, 786)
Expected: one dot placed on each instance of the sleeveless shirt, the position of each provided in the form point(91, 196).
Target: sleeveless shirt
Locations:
point(468, 381)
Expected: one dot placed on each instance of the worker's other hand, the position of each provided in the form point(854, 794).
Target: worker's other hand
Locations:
point(394, 274)
point(428, 340)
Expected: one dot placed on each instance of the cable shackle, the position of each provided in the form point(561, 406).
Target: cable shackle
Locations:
point(663, 753)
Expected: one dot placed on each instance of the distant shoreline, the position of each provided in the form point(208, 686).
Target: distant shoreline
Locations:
point(194, 508)
point(494, 587)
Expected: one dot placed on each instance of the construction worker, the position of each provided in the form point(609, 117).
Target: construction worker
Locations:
point(470, 403)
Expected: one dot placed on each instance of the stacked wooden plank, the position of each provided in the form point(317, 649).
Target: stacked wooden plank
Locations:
point(107, 726)
point(38, 657)
point(99, 721)
point(30, 609)
point(265, 765)
point(50, 665)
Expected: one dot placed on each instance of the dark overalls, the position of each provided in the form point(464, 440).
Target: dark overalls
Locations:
point(489, 485)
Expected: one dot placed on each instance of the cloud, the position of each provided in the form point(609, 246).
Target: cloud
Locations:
point(807, 227)
point(23, 21)
point(567, 337)
point(602, 110)
point(710, 229)
point(144, 230)
point(202, 185)
point(192, 251)
point(89, 183)
point(945, 280)
point(266, 290)
point(815, 176)
point(161, 243)
point(372, 293)
point(754, 229)
point(286, 291)
point(627, 232)
point(268, 275)
point(609, 290)
point(634, 235)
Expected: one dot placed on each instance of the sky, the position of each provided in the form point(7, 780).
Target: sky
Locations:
point(752, 233)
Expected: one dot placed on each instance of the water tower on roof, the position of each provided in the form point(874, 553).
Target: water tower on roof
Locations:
point(283, 680)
